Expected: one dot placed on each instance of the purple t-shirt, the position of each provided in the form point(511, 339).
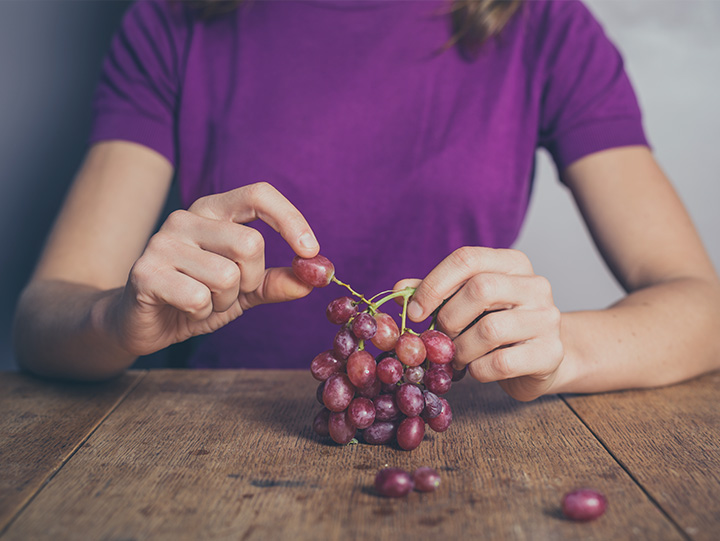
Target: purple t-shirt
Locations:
point(396, 150)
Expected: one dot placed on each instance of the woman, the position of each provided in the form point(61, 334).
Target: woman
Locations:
point(407, 144)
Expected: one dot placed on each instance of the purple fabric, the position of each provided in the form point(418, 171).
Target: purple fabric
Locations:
point(395, 150)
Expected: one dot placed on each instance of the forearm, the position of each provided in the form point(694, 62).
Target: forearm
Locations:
point(65, 330)
point(655, 336)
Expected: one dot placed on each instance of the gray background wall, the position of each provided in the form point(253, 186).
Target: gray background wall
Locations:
point(50, 52)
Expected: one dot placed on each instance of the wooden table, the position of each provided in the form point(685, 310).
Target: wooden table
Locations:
point(232, 455)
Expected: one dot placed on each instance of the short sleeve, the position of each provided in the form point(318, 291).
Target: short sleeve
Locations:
point(588, 103)
point(137, 93)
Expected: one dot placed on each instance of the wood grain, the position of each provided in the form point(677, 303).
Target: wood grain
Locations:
point(231, 455)
point(41, 424)
point(669, 440)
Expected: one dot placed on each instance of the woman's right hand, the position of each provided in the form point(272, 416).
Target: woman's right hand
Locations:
point(205, 267)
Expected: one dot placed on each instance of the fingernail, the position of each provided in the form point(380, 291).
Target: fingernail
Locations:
point(414, 310)
point(307, 240)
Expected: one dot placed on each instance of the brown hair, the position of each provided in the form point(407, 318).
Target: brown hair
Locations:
point(473, 21)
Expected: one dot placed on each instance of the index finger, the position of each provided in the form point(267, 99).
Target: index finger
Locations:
point(261, 201)
point(456, 269)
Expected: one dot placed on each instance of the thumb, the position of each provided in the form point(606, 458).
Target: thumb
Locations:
point(279, 285)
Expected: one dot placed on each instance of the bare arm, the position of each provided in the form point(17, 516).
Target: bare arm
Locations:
point(109, 214)
point(665, 330)
point(104, 294)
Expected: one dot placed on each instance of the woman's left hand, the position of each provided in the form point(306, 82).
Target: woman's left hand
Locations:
point(500, 315)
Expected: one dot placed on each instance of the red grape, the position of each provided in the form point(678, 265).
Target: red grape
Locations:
point(340, 428)
point(393, 483)
point(389, 370)
point(387, 332)
point(459, 374)
point(371, 391)
point(433, 406)
point(410, 433)
point(439, 346)
point(442, 422)
point(345, 343)
point(341, 310)
point(319, 392)
point(361, 412)
point(364, 326)
point(338, 392)
point(437, 380)
point(426, 479)
point(409, 399)
point(414, 374)
point(380, 432)
point(325, 365)
point(361, 368)
point(584, 504)
point(386, 408)
point(320, 424)
point(410, 349)
point(315, 271)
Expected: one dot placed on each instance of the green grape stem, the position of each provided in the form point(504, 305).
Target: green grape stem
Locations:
point(372, 307)
point(343, 284)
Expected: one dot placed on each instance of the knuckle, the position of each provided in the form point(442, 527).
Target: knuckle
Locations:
point(521, 260)
point(160, 242)
point(197, 300)
point(553, 316)
point(465, 257)
point(228, 276)
point(543, 286)
point(177, 220)
point(259, 191)
point(490, 329)
point(253, 243)
point(500, 363)
point(482, 286)
point(142, 272)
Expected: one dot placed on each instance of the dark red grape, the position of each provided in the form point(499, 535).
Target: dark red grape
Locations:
point(440, 348)
point(341, 310)
point(387, 332)
point(325, 365)
point(437, 380)
point(389, 388)
point(364, 326)
point(459, 374)
point(315, 271)
point(371, 391)
point(386, 408)
point(380, 432)
point(361, 368)
point(410, 349)
point(584, 504)
point(320, 424)
point(338, 392)
point(442, 422)
point(433, 406)
point(445, 367)
point(414, 374)
point(345, 343)
point(409, 399)
point(410, 433)
point(319, 392)
point(393, 483)
point(389, 370)
point(340, 428)
point(361, 412)
point(426, 479)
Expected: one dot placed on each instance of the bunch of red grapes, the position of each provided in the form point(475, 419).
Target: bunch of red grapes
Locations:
point(385, 398)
